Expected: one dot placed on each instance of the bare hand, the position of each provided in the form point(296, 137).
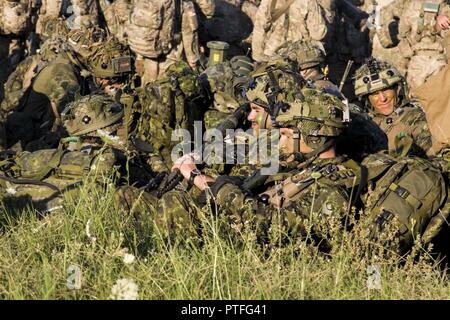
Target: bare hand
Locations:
point(443, 22)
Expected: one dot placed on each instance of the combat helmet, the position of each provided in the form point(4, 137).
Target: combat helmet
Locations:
point(91, 113)
point(103, 56)
point(376, 75)
point(290, 103)
point(301, 54)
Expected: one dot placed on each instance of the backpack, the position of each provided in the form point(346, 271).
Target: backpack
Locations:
point(172, 102)
point(43, 176)
point(408, 188)
point(152, 27)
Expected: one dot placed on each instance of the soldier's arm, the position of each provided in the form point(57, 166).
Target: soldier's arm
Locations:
point(261, 19)
point(316, 21)
point(208, 7)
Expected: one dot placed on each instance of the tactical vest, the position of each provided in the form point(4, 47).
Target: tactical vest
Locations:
point(61, 169)
point(343, 176)
point(409, 188)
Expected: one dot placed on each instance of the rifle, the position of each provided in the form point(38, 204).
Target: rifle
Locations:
point(355, 14)
point(231, 122)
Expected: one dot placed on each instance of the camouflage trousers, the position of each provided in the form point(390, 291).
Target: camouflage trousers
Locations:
point(175, 215)
point(178, 216)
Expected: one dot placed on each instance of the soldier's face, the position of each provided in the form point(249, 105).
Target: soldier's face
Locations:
point(384, 101)
point(287, 143)
point(258, 118)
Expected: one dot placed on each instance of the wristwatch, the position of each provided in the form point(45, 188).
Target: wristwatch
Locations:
point(194, 173)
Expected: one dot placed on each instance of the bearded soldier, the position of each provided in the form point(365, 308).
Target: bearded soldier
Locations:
point(384, 92)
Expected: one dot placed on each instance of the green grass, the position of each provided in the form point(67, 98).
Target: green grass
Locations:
point(36, 252)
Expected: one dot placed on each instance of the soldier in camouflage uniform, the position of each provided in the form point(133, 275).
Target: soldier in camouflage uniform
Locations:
point(96, 148)
point(422, 27)
point(162, 32)
point(32, 111)
point(117, 15)
point(307, 184)
point(279, 21)
point(384, 91)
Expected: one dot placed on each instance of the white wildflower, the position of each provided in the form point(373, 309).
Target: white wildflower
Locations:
point(88, 231)
point(124, 289)
point(11, 191)
point(128, 258)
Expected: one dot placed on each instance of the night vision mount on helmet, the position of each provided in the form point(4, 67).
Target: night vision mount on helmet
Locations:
point(376, 75)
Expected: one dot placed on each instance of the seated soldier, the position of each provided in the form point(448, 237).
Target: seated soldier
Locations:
point(308, 59)
point(384, 92)
point(88, 63)
point(95, 148)
point(314, 178)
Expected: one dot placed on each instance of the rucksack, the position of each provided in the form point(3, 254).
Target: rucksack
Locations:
point(172, 102)
point(411, 189)
point(44, 176)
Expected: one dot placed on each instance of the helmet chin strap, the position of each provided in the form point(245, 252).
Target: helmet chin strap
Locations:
point(309, 156)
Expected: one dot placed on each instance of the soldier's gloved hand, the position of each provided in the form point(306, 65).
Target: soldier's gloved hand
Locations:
point(155, 182)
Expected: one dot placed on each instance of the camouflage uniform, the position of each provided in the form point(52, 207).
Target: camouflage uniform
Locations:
point(407, 118)
point(421, 47)
point(33, 107)
point(81, 13)
point(117, 16)
point(172, 35)
point(316, 190)
point(95, 150)
point(302, 20)
point(224, 83)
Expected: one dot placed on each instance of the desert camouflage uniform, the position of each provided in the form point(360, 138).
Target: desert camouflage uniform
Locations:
point(117, 16)
point(303, 20)
point(15, 26)
point(421, 47)
point(171, 36)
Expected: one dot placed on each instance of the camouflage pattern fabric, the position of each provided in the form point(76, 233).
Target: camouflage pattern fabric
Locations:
point(409, 120)
point(302, 20)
